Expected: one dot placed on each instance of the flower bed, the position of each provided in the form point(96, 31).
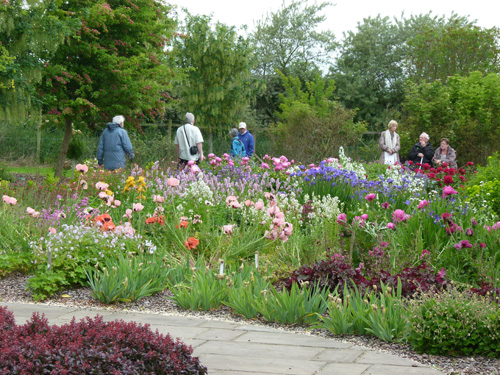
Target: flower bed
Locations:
point(235, 232)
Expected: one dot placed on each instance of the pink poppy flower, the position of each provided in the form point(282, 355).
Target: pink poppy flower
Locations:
point(172, 182)
point(101, 186)
point(391, 226)
point(82, 168)
point(52, 230)
point(228, 229)
point(9, 200)
point(248, 203)
point(84, 184)
point(423, 204)
point(370, 197)
point(137, 207)
point(30, 211)
point(158, 199)
point(128, 213)
point(259, 205)
point(117, 203)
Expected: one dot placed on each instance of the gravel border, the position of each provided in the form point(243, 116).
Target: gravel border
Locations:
point(13, 289)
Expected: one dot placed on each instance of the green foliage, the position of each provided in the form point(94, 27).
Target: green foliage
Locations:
point(459, 48)
point(486, 184)
point(127, 277)
point(297, 306)
point(30, 32)
point(46, 284)
point(217, 84)
point(382, 314)
point(289, 41)
point(369, 72)
point(464, 109)
point(246, 289)
point(311, 125)
point(204, 291)
point(454, 323)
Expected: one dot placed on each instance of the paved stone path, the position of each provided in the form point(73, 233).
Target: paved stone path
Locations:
point(232, 348)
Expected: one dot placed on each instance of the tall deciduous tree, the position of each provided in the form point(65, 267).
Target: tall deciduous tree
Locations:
point(289, 41)
point(30, 31)
point(369, 70)
point(465, 109)
point(311, 126)
point(115, 63)
point(457, 48)
point(217, 84)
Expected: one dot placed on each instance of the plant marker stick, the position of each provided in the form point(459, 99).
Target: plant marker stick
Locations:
point(221, 268)
point(256, 260)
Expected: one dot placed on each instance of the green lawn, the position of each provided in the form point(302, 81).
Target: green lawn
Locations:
point(43, 171)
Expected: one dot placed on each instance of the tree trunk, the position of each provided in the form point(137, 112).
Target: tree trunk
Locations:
point(210, 143)
point(68, 131)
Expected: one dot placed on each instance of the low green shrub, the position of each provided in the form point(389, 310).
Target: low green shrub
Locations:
point(455, 323)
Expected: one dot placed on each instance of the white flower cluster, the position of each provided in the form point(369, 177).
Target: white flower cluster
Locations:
point(73, 238)
point(349, 165)
point(327, 207)
point(399, 176)
point(198, 191)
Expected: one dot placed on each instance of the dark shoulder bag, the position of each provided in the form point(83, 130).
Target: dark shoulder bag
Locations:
point(193, 150)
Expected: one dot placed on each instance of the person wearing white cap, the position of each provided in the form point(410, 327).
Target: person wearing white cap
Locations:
point(247, 139)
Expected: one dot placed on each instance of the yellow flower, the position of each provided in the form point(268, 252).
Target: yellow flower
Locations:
point(109, 192)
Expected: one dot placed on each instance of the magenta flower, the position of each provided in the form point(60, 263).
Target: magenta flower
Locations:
point(469, 232)
point(463, 244)
point(448, 190)
point(385, 205)
point(264, 166)
point(423, 204)
point(400, 216)
point(424, 253)
point(342, 219)
point(391, 226)
point(370, 197)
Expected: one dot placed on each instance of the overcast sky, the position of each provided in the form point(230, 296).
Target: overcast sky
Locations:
point(345, 14)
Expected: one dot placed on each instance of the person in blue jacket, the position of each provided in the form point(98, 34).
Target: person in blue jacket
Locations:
point(114, 145)
point(247, 139)
point(237, 149)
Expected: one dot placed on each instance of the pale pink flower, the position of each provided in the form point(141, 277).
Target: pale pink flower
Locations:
point(30, 211)
point(230, 198)
point(228, 229)
point(234, 204)
point(128, 213)
point(125, 229)
point(273, 210)
point(248, 203)
point(102, 186)
point(259, 205)
point(35, 214)
point(52, 230)
point(82, 168)
point(195, 169)
point(172, 181)
point(9, 200)
point(210, 156)
point(137, 207)
point(117, 203)
point(103, 195)
point(270, 196)
point(158, 199)
point(264, 166)
point(84, 184)
point(288, 229)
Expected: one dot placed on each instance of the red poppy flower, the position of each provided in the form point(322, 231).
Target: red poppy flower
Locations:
point(448, 180)
point(191, 243)
point(182, 224)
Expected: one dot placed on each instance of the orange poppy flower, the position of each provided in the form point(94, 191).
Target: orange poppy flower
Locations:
point(156, 219)
point(104, 218)
point(182, 224)
point(191, 243)
point(108, 227)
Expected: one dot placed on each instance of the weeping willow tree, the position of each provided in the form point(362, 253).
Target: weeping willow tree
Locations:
point(30, 31)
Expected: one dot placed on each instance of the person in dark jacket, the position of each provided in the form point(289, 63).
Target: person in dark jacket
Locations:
point(247, 139)
point(114, 145)
point(422, 152)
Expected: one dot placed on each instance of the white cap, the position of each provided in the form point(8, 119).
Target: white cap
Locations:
point(242, 125)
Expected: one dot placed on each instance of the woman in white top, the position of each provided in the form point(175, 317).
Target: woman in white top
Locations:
point(389, 144)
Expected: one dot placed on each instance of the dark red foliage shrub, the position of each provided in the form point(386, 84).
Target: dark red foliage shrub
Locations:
point(328, 273)
point(488, 290)
point(335, 272)
point(90, 346)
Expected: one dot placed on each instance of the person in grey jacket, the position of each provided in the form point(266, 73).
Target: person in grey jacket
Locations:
point(114, 145)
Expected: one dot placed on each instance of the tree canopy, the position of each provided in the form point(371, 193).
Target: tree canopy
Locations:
point(217, 62)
